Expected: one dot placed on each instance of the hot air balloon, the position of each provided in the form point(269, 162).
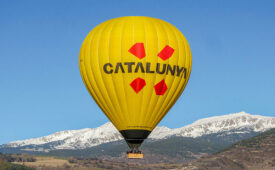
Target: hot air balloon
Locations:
point(135, 68)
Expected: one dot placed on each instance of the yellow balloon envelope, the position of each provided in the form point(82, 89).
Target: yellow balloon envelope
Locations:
point(135, 68)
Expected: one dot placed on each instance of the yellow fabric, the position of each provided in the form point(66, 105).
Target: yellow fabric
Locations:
point(110, 42)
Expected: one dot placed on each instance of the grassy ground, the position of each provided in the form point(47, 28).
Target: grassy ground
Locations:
point(45, 161)
point(53, 163)
point(9, 166)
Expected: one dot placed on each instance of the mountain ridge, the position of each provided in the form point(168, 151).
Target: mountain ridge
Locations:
point(89, 137)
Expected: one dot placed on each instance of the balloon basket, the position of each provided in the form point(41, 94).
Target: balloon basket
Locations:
point(132, 155)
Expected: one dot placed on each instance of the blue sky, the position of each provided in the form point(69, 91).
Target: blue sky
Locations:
point(41, 90)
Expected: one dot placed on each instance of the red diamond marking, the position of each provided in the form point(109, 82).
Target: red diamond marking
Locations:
point(166, 52)
point(160, 88)
point(138, 50)
point(138, 84)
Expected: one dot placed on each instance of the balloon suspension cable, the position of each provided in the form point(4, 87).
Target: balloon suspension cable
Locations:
point(134, 150)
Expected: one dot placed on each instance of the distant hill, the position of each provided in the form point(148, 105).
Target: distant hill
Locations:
point(173, 149)
point(205, 136)
point(251, 154)
point(238, 123)
point(254, 153)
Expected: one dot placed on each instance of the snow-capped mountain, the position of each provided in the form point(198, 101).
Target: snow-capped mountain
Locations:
point(239, 122)
point(79, 139)
point(74, 139)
